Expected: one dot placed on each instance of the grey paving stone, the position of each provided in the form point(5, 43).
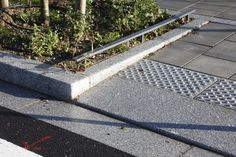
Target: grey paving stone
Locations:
point(114, 133)
point(179, 53)
point(200, 11)
point(232, 38)
point(173, 4)
point(213, 66)
point(233, 77)
point(230, 14)
point(225, 50)
point(211, 7)
point(229, 3)
point(14, 97)
point(208, 124)
point(210, 19)
point(210, 34)
point(196, 152)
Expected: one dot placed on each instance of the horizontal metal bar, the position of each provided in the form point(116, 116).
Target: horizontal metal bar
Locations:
point(132, 36)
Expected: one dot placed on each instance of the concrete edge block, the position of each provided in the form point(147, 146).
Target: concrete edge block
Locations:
point(41, 77)
point(64, 85)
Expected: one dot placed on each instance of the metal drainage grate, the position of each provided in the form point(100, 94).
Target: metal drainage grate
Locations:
point(222, 92)
point(182, 81)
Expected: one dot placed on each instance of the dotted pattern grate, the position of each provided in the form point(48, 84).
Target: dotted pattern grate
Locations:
point(182, 81)
point(222, 92)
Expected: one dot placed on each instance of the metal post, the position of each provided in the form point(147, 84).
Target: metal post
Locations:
point(187, 18)
point(143, 38)
point(92, 47)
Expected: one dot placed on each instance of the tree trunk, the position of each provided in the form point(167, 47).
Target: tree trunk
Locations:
point(83, 6)
point(44, 9)
point(29, 2)
point(80, 4)
point(4, 4)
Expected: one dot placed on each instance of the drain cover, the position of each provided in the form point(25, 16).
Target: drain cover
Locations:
point(182, 81)
point(222, 92)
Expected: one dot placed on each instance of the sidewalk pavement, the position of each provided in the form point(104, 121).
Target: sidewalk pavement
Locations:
point(119, 136)
point(180, 101)
point(225, 9)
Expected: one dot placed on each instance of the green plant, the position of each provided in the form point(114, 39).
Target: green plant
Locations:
point(4, 31)
point(11, 39)
point(107, 38)
point(27, 17)
point(76, 25)
point(20, 2)
point(43, 41)
point(71, 33)
point(125, 16)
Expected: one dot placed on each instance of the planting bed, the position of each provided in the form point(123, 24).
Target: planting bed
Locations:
point(70, 33)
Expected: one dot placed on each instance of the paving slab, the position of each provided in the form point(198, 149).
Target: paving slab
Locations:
point(203, 7)
point(179, 53)
point(174, 5)
point(212, 7)
point(225, 50)
point(209, 18)
point(233, 77)
point(204, 12)
point(213, 66)
point(229, 3)
point(230, 14)
point(114, 133)
point(232, 38)
point(209, 9)
point(157, 109)
point(210, 34)
point(14, 97)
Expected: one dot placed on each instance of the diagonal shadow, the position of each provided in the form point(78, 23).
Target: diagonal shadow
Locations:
point(159, 125)
point(192, 126)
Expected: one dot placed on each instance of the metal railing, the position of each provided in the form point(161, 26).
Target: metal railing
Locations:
point(140, 33)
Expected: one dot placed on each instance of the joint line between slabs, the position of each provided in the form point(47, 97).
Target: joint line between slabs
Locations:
point(195, 57)
point(187, 150)
point(232, 76)
point(190, 5)
point(207, 87)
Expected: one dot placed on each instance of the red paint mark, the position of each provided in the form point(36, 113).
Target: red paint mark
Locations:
point(35, 145)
